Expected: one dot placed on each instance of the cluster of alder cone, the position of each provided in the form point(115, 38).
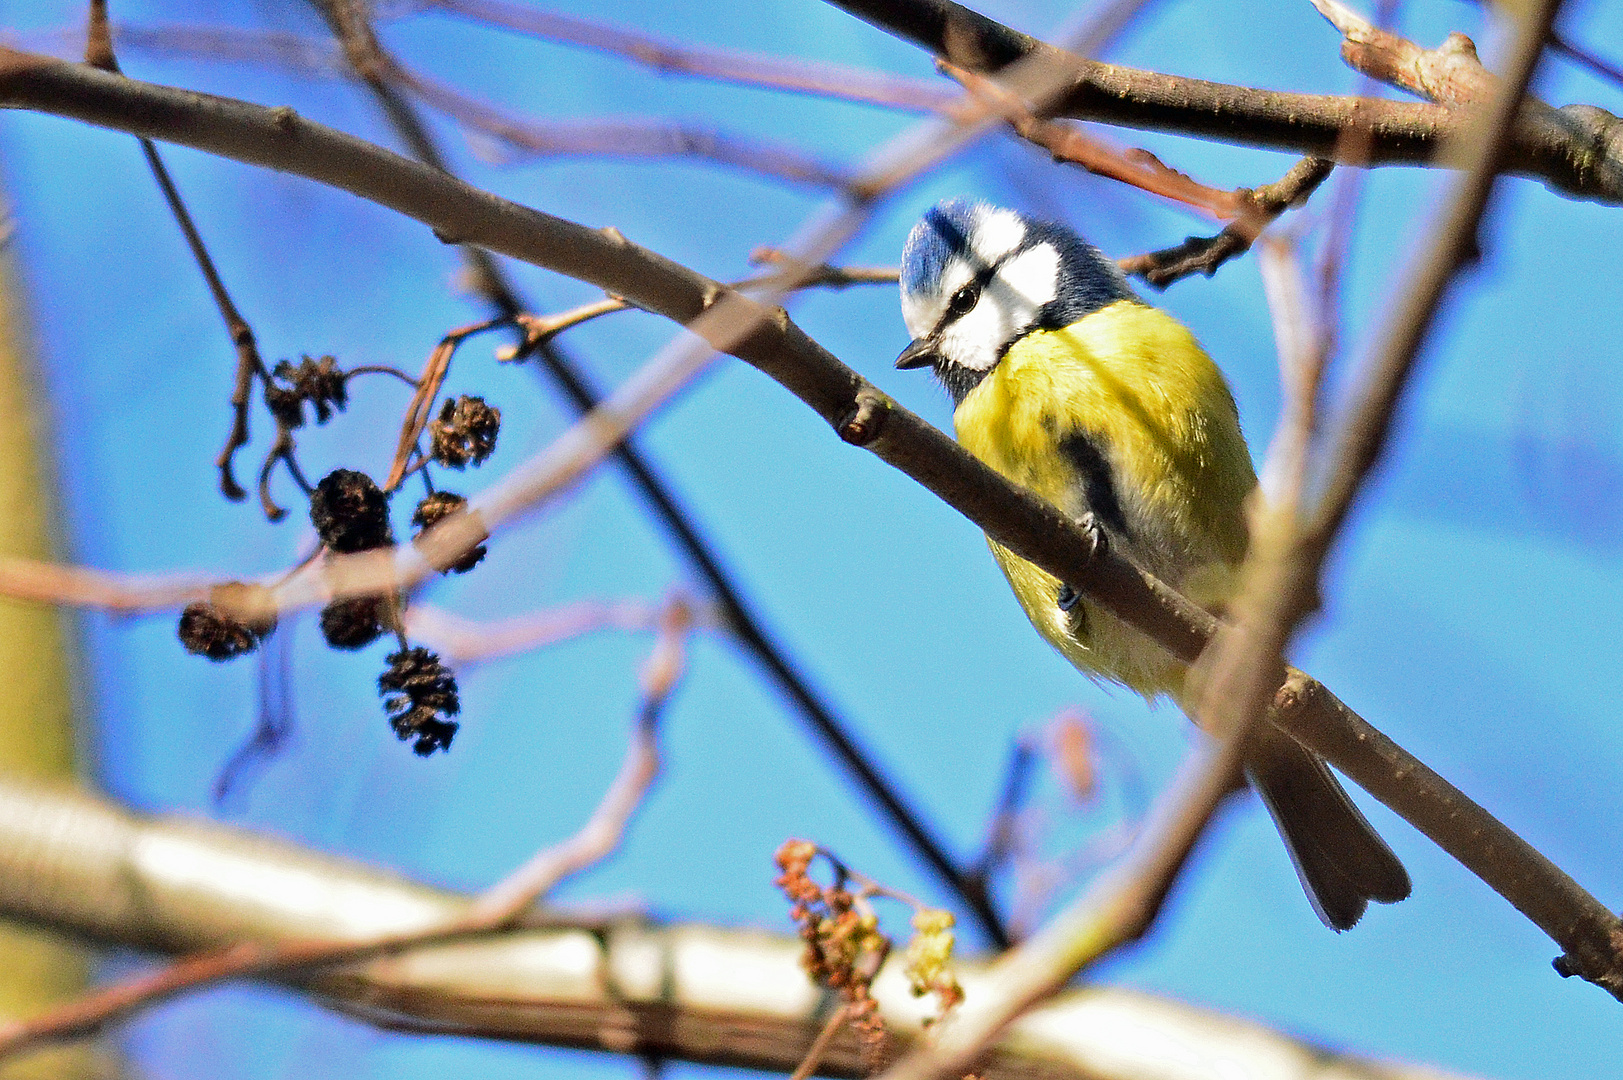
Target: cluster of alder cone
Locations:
point(351, 513)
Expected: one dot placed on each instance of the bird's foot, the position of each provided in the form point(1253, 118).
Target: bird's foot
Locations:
point(1098, 538)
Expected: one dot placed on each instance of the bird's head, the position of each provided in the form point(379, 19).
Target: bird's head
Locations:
point(977, 278)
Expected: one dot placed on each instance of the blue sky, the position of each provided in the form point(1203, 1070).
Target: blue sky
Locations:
point(1471, 611)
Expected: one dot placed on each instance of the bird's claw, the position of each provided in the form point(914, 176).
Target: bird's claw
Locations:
point(1098, 540)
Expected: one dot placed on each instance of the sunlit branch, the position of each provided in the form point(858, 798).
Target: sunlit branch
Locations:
point(495, 910)
point(858, 411)
point(1204, 254)
point(1579, 155)
point(99, 53)
point(611, 983)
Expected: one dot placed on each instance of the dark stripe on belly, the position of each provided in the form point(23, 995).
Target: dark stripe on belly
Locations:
point(1098, 482)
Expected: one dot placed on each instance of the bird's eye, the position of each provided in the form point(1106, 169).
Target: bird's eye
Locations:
point(964, 300)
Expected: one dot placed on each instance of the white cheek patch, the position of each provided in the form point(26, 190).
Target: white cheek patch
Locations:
point(995, 234)
point(1008, 307)
point(975, 340)
point(1028, 281)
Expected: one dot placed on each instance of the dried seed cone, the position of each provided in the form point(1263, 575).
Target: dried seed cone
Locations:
point(350, 512)
point(419, 692)
point(355, 622)
point(435, 509)
point(205, 630)
point(465, 432)
point(317, 381)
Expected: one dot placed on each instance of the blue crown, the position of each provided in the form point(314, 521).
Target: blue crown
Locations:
point(940, 235)
point(1088, 279)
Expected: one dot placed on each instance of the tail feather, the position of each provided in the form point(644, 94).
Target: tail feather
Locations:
point(1341, 861)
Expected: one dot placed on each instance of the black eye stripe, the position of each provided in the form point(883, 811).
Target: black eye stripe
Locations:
point(979, 282)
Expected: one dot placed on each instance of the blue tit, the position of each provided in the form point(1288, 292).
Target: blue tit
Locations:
point(1068, 384)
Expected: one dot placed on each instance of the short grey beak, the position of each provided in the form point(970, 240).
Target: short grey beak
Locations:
point(920, 353)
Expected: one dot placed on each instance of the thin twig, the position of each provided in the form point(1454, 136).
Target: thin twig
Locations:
point(461, 642)
point(381, 369)
point(543, 328)
point(1263, 206)
point(819, 1046)
point(521, 889)
point(421, 407)
point(1606, 69)
point(527, 140)
point(1069, 144)
point(99, 54)
point(772, 72)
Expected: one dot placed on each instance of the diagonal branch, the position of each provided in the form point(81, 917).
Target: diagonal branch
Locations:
point(367, 56)
point(862, 414)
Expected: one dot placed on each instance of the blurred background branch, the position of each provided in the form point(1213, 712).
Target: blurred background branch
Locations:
point(624, 985)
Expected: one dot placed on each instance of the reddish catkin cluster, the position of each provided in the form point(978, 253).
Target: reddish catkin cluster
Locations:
point(844, 948)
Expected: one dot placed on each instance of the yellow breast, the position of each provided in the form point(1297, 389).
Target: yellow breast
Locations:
point(1135, 385)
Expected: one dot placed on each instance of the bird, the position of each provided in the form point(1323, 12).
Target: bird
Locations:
point(1065, 382)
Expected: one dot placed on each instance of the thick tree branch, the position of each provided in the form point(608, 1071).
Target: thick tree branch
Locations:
point(1580, 155)
point(1031, 528)
point(620, 985)
point(369, 60)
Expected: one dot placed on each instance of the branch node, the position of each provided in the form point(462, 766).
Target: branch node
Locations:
point(285, 119)
point(1457, 44)
point(865, 421)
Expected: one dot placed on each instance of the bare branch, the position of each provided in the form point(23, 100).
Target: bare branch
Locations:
point(1203, 255)
point(1581, 156)
point(623, 986)
point(461, 642)
point(99, 54)
point(1027, 526)
point(507, 901)
point(497, 909)
point(635, 138)
point(771, 72)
